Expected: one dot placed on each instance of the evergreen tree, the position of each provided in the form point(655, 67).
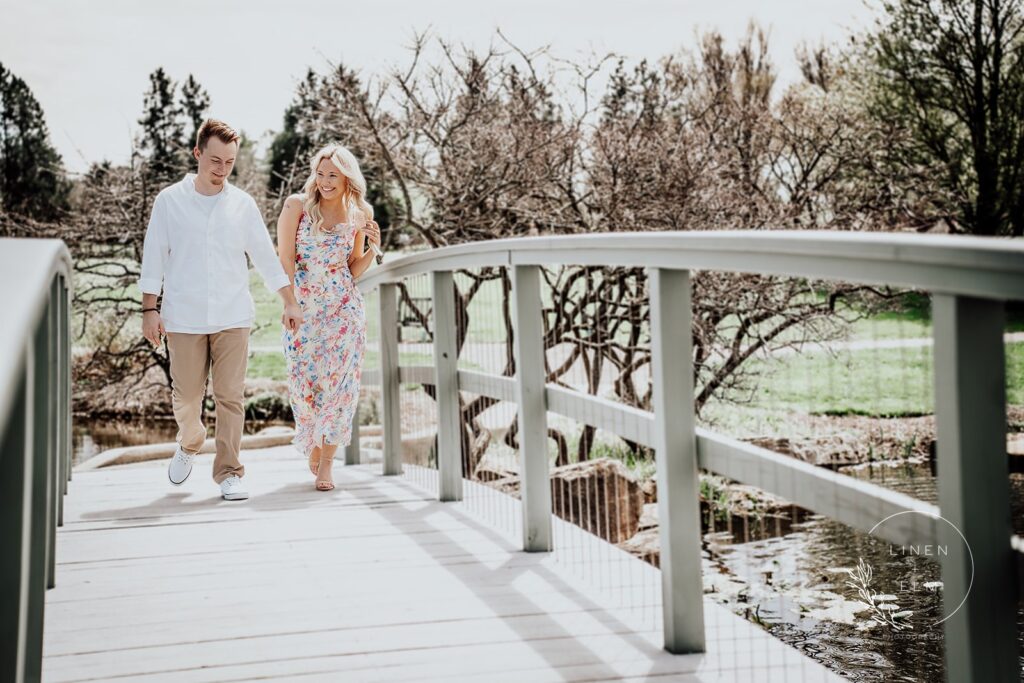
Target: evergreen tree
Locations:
point(292, 146)
point(162, 131)
point(195, 101)
point(32, 179)
point(170, 123)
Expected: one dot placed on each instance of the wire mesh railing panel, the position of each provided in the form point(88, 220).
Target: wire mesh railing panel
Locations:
point(839, 377)
point(370, 408)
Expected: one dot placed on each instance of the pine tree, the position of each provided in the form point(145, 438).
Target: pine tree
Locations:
point(295, 143)
point(162, 131)
point(194, 103)
point(32, 181)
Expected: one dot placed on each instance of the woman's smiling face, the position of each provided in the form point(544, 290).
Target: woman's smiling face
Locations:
point(329, 179)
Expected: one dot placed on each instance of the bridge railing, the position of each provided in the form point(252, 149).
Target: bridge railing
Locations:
point(35, 440)
point(969, 280)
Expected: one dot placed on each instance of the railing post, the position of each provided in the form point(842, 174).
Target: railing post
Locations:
point(390, 384)
point(66, 400)
point(67, 446)
point(528, 347)
point(675, 445)
point(64, 395)
point(449, 423)
point(970, 415)
point(352, 453)
point(16, 525)
point(44, 409)
point(54, 457)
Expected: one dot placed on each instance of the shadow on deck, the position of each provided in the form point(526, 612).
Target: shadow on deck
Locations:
point(376, 581)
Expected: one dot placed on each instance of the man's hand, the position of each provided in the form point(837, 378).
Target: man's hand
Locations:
point(292, 317)
point(153, 328)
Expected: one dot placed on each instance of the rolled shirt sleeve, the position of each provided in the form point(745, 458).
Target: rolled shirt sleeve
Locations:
point(261, 250)
point(155, 251)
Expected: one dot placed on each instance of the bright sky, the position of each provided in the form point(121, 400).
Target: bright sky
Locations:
point(88, 61)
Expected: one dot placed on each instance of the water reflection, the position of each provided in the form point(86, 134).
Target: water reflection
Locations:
point(94, 435)
point(793, 576)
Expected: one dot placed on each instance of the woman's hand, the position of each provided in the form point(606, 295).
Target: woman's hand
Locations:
point(372, 232)
point(292, 317)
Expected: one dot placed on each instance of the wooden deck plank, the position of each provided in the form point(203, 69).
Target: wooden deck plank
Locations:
point(375, 581)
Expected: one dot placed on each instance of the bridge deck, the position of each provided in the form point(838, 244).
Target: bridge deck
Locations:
point(373, 582)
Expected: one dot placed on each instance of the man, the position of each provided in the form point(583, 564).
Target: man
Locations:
point(199, 234)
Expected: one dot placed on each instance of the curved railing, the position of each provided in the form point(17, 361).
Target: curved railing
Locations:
point(969, 279)
point(35, 440)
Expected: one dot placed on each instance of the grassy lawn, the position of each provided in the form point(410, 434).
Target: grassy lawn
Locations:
point(869, 382)
point(877, 382)
point(864, 382)
point(271, 365)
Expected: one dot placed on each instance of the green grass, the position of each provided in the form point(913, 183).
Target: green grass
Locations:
point(271, 365)
point(866, 382)
point(871, 382)
point(267, 366)
point(890, 326)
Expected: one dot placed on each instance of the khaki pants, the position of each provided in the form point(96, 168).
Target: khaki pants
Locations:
point(192, 358)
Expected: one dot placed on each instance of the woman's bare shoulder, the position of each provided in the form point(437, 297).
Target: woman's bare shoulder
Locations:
point(293, 203)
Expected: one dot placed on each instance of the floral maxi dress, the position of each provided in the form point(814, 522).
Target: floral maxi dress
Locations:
point(324, 357)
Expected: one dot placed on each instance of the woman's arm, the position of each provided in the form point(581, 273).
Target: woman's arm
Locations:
point(362, 256)
point(287, 224)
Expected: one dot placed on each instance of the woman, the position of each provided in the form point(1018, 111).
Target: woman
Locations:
point(323, 238)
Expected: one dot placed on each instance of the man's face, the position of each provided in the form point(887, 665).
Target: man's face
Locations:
point(216, 161)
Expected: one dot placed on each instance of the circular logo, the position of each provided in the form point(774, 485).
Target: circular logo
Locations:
point(900, 586)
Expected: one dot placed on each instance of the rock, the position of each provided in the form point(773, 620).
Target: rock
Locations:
point(260, 385)
point(649, 517)
point(489, 471)
point(650, 489)
point(507, 485)
point(600, 496)
point(276, 430)
point(827, 451)
point(645, 545)
point(371, 430)
point(417, 447)
point(268, 406)
point(744, 500)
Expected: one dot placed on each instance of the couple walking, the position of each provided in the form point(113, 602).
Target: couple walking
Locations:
point(199, 234)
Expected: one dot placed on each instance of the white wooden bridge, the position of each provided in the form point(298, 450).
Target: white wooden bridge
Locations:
point(398, 577)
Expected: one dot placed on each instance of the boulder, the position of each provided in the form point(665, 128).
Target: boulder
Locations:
point(601, 496)
point(645, 544)
point(268, 406)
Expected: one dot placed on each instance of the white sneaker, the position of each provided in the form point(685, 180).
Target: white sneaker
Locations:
point(232, 488)
point(180, 467)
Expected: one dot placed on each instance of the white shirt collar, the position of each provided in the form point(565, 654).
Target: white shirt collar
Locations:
point(189, 183)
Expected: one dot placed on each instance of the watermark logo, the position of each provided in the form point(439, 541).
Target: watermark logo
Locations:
point(900, 588)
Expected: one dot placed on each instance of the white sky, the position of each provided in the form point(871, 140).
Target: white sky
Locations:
point(88, 61)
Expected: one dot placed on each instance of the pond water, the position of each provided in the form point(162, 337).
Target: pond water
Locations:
point(799, 579)
point(90, 436)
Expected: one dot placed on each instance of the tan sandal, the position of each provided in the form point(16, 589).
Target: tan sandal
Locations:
point(324, 485)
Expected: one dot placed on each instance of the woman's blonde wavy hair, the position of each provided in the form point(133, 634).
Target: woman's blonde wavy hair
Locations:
point(355, 187)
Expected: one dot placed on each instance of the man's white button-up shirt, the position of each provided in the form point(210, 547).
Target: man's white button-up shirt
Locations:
point(198, 254)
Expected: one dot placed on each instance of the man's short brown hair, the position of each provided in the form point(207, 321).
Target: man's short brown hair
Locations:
point(218, 129)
